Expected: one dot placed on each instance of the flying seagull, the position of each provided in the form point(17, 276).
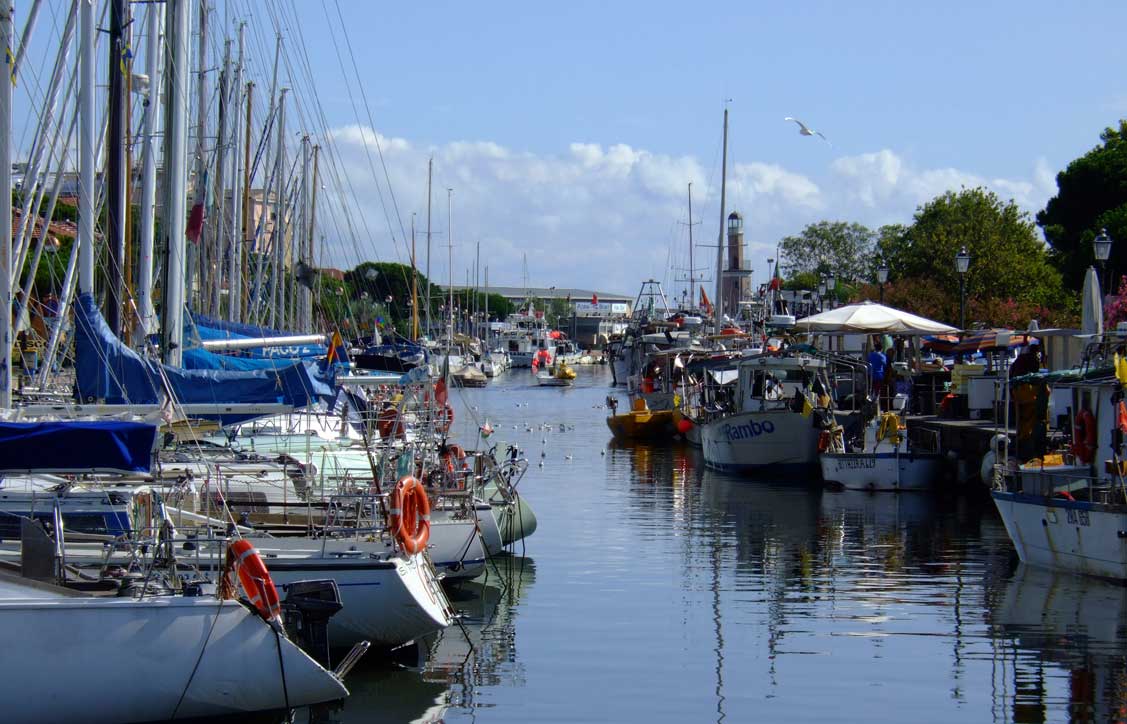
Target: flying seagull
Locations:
point(806, 131)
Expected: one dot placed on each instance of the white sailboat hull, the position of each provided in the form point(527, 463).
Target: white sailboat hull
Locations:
point(124, 660)
point(751, 441)
point(1066, 535)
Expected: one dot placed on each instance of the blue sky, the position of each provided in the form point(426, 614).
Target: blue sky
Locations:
point(568, 131)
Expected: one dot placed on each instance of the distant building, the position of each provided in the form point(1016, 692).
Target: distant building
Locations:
point(594, 314)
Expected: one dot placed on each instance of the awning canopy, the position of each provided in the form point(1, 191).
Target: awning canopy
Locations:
point(871, 318)
point(984, 340)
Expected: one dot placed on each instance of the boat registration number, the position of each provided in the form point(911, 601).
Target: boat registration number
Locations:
point(1077, 517)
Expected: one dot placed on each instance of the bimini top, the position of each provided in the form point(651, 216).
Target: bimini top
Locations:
point(73, 447)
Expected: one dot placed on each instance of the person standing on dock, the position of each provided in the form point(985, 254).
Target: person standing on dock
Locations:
point(877, 364)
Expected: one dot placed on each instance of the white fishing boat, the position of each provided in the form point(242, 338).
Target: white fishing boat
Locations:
point(884, 460)
point(774, 418)
point(1066, 509)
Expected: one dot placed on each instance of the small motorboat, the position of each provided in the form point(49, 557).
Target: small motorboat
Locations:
point(559, 376)
point(469, 376)
point(885, 462)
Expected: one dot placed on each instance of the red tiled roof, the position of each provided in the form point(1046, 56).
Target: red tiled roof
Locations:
point(57, 228)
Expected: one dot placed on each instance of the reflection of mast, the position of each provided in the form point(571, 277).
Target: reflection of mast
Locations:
point(720, 715)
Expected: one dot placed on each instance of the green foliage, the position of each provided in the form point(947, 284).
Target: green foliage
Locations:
point(844, 248)
point(1091, 194)
point(1008, 261)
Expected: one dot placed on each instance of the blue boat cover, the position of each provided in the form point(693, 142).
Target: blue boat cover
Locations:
point(76, 446)
point(107, 370)
point(210, 329)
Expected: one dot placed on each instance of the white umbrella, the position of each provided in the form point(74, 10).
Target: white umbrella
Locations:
point(1092, 315)
point(871, 318)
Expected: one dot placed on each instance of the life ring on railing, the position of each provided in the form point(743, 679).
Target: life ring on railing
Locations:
point(388, 424)
point(445, 418)
point(823, 441)
point(454, 453)
point(1064, 495)
point(254, 578)
point(410, 514)
point(1084, 436)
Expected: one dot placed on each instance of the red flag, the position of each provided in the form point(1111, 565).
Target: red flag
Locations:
point(594, 299)
point(195, 224)
point(776, 284)
point(440, 392)
point(704, 301)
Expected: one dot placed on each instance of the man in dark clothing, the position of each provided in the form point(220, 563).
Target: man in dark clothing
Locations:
point(877, 364)
point(1028, 362)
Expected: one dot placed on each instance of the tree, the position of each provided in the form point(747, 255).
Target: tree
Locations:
point(844, 248)
point(1091, 195)
point(1008, 261)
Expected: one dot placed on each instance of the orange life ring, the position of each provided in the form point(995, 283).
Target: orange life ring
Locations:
point(410, 514)
point(1065, 495)
point(445, 419)
point(254, 578)
point(454, 453)
point(1084, 436)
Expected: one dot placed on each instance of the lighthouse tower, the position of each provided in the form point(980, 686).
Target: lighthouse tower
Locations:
point(737, 279)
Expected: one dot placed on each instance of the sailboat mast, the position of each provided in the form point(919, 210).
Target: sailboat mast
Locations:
point(146, 314)
point(450, 271)
point(115, 169)
point(176, 166)
point(414, 285)
point(430, 171)
point(718, 310)
point(196, 267)
point(6, 12)
point(246, 245)
point(692, 270)
point(87, 128)
point(235, 231)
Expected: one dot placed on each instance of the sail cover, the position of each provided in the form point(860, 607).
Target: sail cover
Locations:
point(108, 371)
point(209, 329)
point(76, 446)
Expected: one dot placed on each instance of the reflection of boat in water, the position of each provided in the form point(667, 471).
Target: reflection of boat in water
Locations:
point(449, 669)
point(1074, 622)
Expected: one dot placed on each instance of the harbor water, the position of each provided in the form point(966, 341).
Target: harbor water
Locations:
point(655, 590)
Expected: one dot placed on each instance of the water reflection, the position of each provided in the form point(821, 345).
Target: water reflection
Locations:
point(1060, 640)
point(443, 674)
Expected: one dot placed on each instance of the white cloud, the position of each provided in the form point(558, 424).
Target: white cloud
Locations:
point(607, 217)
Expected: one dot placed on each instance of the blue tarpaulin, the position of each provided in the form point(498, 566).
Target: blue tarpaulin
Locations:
point(76, 446)
point(108, 371)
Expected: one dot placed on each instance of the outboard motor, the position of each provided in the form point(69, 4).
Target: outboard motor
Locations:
point(306, 611)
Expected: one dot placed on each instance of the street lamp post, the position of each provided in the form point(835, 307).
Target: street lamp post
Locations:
point(821, 296)
point(882, 278)
point(962, 264)
point(1102, 246)
point(831, 282)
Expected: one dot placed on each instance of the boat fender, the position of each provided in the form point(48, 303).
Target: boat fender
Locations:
point(1084, 436)
point(255, 579)
point(410, 514)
